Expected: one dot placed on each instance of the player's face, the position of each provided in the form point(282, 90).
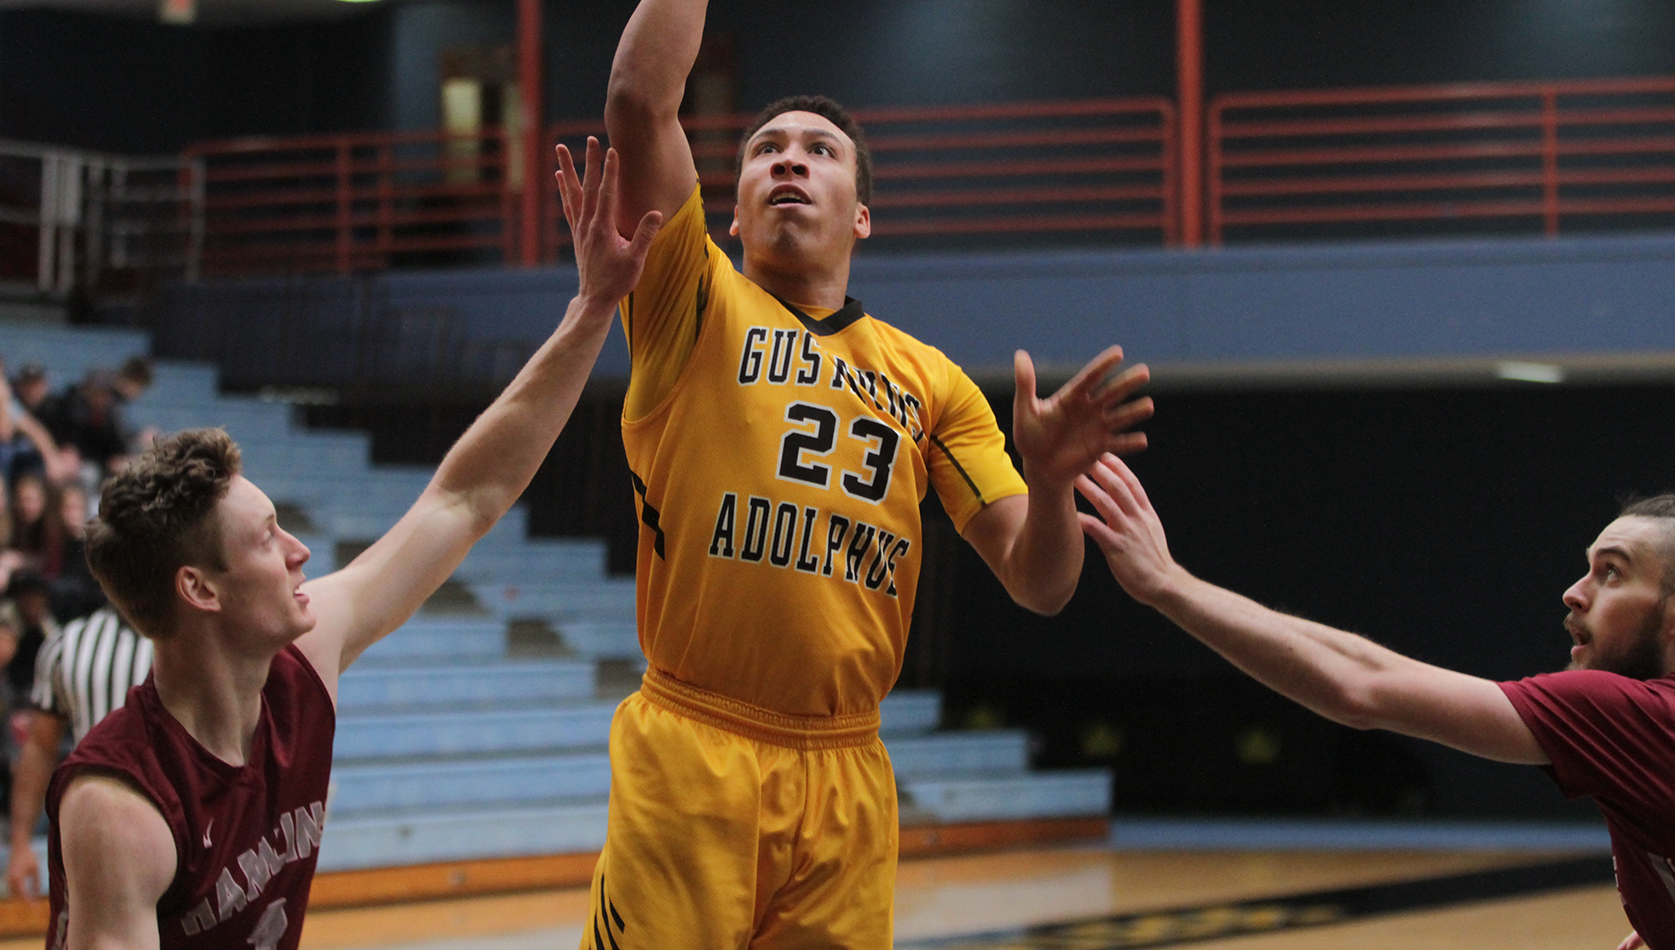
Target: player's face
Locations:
point(1619, 619)
point(797, 192)
point(260, 587)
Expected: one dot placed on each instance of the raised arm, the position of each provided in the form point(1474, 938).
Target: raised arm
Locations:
point(119, 859)
point(1341, 676)
point(1033, 542)
point(642, 107)
point(491, 464)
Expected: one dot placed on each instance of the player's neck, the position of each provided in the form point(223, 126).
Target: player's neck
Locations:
point(820, 287)
point(216, 698)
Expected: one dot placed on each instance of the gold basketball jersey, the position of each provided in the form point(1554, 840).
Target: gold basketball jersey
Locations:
point(779, 458)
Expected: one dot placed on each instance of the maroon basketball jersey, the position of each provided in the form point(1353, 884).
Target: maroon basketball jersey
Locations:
point(246, 838)
point(1613, 738)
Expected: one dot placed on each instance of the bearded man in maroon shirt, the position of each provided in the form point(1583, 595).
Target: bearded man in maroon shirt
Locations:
point(1605, 727)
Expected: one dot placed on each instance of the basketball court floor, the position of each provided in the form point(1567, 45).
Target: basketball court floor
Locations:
point(1517, 890)
point(1086, 898)
point(1094, 897)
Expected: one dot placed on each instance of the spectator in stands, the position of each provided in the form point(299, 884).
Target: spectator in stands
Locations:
point(82, 674)
point(31, 388)
point(132, 380)
point(35, 540)
point(75, 592)
point(25, 442)
point(25, 623)
point(86, 418)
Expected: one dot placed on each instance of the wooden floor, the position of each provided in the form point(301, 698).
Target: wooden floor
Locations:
point(982, 897)
point(974, 896)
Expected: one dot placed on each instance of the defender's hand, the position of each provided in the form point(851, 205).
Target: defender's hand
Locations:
point(1127, 529)
point(608, 265)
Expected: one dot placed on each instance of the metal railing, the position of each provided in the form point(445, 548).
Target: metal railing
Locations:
point(1547, 157)
point(1099, 169)
point(1438, 159)
point(74, 220)
point(357, 202)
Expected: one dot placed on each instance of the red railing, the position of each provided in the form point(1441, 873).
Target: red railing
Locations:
point(1508, 155)
point(1362, 162)
point(1099, 170)
point(352, 202)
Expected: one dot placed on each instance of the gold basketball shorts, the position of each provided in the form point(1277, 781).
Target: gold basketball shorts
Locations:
point(732, 826)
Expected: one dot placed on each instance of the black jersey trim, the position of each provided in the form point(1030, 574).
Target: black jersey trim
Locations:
point(702, 303)
point(648, 514)
point(839, 320)
point(961, 469)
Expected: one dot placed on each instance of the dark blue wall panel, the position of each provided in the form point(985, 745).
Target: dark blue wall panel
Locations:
point(1481, 299)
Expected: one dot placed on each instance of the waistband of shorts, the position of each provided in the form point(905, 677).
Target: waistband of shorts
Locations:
point(804, 733)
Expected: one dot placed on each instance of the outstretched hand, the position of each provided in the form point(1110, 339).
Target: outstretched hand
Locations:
point(1061, 436)
point(1632, 941)
point(608, 264)
point(1127, 529)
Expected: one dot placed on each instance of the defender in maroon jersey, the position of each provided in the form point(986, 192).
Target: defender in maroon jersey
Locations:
point(192, 816)
point(1605, 727)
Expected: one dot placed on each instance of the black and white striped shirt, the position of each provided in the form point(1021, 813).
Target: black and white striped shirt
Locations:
point(85, 671)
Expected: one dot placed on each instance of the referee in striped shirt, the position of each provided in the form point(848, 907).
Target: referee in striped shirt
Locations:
point(81, 675)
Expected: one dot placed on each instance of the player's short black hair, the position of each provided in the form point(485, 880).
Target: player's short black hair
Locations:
point(827, 109)
point(1661, 507)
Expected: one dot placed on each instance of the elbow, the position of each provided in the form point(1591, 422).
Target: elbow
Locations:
point(1358, 705)
point(1046, 603)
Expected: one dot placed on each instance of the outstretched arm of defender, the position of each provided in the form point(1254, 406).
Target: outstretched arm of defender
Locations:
point(491, 464)
point(119, 859)
point(1339, 675)
point(1033, 542)
point(642, 107)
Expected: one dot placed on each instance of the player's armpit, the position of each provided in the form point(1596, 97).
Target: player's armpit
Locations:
point(119, 858)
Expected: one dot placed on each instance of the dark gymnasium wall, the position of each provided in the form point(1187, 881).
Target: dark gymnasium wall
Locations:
point(134, 86)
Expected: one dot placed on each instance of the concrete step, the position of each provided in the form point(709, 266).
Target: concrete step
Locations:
point(468, 730)
point(603, 639)
point(1008, 796)
point(559, 597)
point(386, 488)
point(485, 782)
point(1002, 750)
point(909, 711)
point(180, 383)
point(538, 562)
point(336, 453)
point(427, 637)
point(430, 835)
point(67, 353)
point(249, 422)
point(366, 687)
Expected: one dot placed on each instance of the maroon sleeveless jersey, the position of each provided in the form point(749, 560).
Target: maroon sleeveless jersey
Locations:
point(246, 838)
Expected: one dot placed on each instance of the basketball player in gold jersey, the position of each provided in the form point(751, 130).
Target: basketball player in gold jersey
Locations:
point(781, 441)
